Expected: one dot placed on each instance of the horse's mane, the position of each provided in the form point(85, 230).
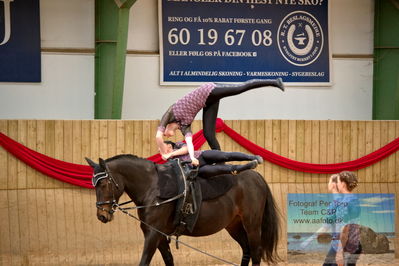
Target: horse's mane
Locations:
point(125, 156)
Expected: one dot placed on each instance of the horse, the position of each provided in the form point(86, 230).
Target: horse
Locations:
point(247, 211)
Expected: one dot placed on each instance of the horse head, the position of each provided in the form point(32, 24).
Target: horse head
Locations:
point(108, 190)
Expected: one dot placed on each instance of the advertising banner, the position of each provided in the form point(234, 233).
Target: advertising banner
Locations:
point(237, 40)
point(351, 222)
point(20, 59)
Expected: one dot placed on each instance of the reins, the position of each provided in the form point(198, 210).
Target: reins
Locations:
point(146, 206)
point(124, 210)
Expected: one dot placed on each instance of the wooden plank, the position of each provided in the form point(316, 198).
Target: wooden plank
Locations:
point(43, 240)
point(112, 148)
point(12, 180)
point(21, 166)
point(89, 221)
point(103, 139)
point(129, 137)
point(368, 149)
point(315, 148)
point(346, 141)
point(236, 126)
point(323, 148)
point(284, 149)
point(292, 149)
point(41, 148)
point(338, 149)
point(5, 223)
point(51, 217)
point(260, 140)
point(77, 142)
point(276, 177)
point(376, 144)
point(146, 139)
point(120, 137)
point(252, 131)
point(33, 223)
point(390, 171)
point(228, 142)
point(308, 148)
point(59, 139)
point(361, 174)
point(59, 147)
point(138, 135)
point(300, 146)
point(50, 150)
point(354, 143)
point(244, 131)
point(4, 157)
point(86, 137)
point(60, 226)
point(71, 235)
point(153, 143)
point(383, 173)
point(14, 221)
point(22, 210)
point(78, 206)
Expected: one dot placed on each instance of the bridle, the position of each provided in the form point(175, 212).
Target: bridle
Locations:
point(99, 204)
point(114, 204)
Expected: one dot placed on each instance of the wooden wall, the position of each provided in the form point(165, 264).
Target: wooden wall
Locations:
point(44, 221)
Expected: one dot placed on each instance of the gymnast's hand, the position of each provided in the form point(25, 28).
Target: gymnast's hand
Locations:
point(166, 156)
point(194, 162)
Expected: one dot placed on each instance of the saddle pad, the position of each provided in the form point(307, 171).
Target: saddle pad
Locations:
point(211, 188)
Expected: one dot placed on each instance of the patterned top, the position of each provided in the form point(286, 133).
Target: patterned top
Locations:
point(185, 157)
point(188, 107)
point(185, 109)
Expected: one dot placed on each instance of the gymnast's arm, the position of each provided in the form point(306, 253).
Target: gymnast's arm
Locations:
point(167, 118)
point(182, 151)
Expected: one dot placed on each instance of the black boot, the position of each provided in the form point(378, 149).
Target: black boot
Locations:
point(280, 84)
point(258, 159)
point(236, 169)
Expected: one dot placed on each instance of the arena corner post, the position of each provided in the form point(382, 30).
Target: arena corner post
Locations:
point(112, 24)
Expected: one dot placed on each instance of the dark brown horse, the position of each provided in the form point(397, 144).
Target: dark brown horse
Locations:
point(247, 211)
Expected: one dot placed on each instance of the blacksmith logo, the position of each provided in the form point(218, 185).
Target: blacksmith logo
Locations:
point(300, 38)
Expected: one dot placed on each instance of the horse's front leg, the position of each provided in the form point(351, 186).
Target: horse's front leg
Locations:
point(151, 243)
point(165, 252)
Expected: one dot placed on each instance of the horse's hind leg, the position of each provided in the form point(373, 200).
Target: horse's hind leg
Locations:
point(236, 230)
point(165, 252)
point(252, 226)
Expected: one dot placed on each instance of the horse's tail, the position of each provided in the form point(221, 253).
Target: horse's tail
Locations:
point(270, 229)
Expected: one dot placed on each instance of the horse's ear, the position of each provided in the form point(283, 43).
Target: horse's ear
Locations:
point(102, 163)
point(90, 162)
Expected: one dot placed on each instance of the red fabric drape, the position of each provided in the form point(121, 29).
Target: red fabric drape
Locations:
point(80, 175)
point(362, 162)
